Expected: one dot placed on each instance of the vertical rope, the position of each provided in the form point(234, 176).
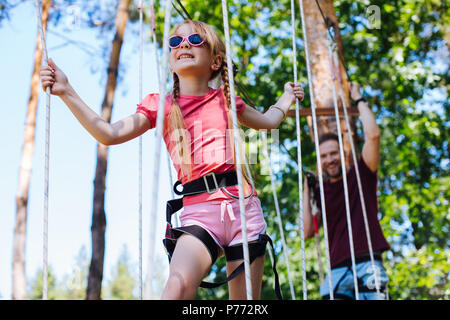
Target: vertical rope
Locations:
point(155, 48)
point(159, 132)
point(358, 177)
point(299, 154)
point(277, 209)
point(47, 157)
point(248, 283)
point(316, 143)
point(343, 168)
point(140, 149)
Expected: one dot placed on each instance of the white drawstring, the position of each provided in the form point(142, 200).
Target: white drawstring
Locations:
point(226, 204)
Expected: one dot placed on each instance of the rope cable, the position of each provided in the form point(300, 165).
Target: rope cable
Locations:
point(140, 147)
point(178, 11)
point(316, 143)
point(238, 154)
point(343, 168)
point(277, 209)
point(358, 177)
point(47, 157)
point(158, 135)
point(299, 154)
point(155, 48)
point(184, 9)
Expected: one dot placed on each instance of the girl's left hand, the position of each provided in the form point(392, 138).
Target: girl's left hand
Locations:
point(294, 90)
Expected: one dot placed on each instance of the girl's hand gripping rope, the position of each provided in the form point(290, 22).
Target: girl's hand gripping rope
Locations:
point(294, 91)
point(53, 77)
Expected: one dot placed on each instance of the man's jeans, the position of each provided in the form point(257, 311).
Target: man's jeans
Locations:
point(343, 282)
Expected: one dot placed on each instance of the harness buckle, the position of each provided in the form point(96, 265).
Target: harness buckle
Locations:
point(216, 186)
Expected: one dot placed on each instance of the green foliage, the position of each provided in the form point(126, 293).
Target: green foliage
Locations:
point(123, 283)
point(75, 284)
point(71, 287)
point(421, 274)
point(54, 292)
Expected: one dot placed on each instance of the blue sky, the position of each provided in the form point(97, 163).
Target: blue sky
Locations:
point(73, 152)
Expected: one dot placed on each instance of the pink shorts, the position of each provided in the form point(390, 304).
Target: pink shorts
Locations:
point(222, 219)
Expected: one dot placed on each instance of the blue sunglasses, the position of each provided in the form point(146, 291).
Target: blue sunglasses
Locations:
point(193, 39)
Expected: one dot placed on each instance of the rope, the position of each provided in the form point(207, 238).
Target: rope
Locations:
point(358, 177)
point(314, 211)
point(344, 170)
point(178, 11)
point(184, 10)
point(238, 154)
point(277, 208)
point(140, 148)
point(47, 157)
point(299, 154)
point(159, 132)
point(155, 48)
point(316, 143)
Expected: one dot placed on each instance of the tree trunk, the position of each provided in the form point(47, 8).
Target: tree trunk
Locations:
point(317, 37)
point(98, 216)
point(19, 288)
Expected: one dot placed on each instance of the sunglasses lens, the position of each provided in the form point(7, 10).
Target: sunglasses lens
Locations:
point(195, 39)
point(175, 41)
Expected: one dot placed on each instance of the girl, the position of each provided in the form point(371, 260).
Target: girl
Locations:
point(195, 131)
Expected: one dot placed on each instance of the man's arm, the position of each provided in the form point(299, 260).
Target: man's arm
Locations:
point(308, 223)
point(371, 147)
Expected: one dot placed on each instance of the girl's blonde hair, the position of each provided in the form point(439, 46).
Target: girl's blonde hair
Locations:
point(175, 119)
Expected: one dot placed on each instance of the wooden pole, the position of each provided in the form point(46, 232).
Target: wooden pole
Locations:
point(316, 26)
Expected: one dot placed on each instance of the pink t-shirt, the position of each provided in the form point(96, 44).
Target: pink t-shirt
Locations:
point(206, 121)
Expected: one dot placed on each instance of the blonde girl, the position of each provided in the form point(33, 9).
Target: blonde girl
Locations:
point(196, 122)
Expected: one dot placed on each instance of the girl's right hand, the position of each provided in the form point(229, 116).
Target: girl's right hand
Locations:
point(53, 77)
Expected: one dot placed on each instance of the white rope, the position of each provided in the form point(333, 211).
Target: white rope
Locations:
point(358, 177)
point(316, 143)
point(237, 148)
point(155, 48)
point(47, 157)
point(140, 149)
point(344, 170)
point(158, 137)
point(277, 209)
point(299, 154)
point(314, 211)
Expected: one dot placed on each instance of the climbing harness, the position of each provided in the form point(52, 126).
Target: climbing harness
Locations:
point(211, 183)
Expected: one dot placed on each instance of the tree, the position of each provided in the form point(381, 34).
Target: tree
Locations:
point(74, 285)
point(98, 216)
point(320, 22)
point(20, 230)
point(123, 283)
point(54, 290)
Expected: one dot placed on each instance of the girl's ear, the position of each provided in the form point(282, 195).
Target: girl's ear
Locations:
point(216, 63)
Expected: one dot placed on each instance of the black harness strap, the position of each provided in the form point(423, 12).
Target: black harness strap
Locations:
point(256, 249)
point(195, 231)
point(211, 183)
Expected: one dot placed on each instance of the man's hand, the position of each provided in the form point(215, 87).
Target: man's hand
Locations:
point(355, 90)
point(311, 178)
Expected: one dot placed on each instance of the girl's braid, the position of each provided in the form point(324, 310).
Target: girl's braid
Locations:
point(226, 84)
